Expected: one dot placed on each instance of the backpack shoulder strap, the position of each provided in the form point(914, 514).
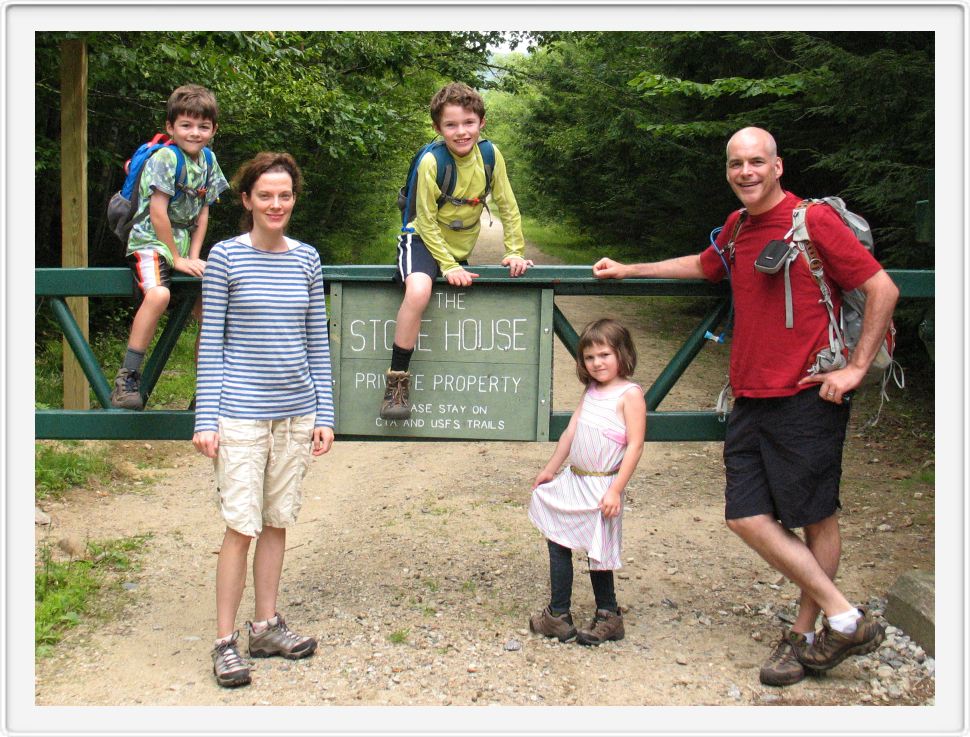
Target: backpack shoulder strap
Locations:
point(447, 175)
point(487, 149)
point(801, 238)
point(207, 153)
point(799, 222)
point(742, 216)
point(179, 171)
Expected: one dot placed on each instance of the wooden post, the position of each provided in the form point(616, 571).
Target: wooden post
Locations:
point(74, 200)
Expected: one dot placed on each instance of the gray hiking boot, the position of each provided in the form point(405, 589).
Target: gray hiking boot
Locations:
point(782, 667)
point(396, 404)
point(831, 647)
point(606, 625)
point(230, 669)
point(278, 639)
point(127, 390)
point(553, 625)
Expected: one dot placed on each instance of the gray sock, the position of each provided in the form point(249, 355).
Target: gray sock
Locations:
point(133, 359)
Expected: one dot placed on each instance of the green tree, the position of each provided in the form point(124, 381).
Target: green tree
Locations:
point(624, 133)
point(350, 106)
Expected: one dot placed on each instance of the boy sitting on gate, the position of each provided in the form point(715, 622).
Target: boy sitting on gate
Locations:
point(174, 192)
point(442, 204)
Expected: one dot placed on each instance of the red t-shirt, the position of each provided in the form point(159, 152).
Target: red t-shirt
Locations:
point(768, 359)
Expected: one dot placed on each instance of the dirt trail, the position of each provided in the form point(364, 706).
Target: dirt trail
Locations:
point(416, 567)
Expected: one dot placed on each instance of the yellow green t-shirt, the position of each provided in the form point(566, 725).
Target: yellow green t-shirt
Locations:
point(450, 246)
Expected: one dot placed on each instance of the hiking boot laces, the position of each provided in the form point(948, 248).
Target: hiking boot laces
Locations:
point(780, 653)
point(290, 638)
point(231, 659)
point(131, 381)
point(398, 390)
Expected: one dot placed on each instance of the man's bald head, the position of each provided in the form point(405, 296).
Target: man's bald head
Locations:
point(753, 136)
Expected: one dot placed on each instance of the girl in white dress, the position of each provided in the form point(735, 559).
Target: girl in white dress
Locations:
point(582, 507)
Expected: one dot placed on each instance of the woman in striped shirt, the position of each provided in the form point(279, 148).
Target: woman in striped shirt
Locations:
point(264, 402)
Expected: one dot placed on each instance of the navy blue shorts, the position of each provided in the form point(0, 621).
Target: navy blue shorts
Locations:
point(783, 457)
point(414, 257)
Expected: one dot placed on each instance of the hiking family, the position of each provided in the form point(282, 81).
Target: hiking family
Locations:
point(264, 395)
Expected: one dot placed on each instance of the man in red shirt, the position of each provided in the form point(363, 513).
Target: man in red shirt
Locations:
point(783, 447)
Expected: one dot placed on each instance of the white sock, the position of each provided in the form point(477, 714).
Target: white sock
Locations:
point(223, 640)
point(260, 627)
point(845, 622)
point(809, 636)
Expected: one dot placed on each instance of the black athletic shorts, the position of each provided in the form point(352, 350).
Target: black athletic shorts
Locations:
point(414, 257)
point(783, 457)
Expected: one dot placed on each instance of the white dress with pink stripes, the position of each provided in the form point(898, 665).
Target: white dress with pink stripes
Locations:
point(566, 509)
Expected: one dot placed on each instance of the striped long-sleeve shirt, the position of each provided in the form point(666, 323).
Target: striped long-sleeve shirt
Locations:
point(264, 351)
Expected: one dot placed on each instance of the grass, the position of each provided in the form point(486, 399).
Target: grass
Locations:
point(61, 466)
point(174, 389)
point(67, 592)
point(350, 249)
point(563, 240)
point(398, 637)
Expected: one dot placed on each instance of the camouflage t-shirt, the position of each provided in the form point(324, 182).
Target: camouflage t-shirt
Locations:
point(159, 173)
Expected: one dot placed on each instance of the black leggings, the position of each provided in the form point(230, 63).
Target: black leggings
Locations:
point(561, 581)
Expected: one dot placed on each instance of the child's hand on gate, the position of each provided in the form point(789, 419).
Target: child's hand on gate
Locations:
point(517, 266)
point(611, 503)
point(460, 278)
point(190, 266)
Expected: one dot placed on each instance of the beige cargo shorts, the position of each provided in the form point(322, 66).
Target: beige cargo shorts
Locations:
point(259, 469)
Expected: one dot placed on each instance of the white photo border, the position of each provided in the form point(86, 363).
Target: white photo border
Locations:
point(949, 20)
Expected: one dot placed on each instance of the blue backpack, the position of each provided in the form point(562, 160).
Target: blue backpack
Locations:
point(123, 205)
point(446, 179)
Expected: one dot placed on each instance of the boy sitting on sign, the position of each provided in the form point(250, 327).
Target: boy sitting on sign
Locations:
point(175, 189)
point(441, 205)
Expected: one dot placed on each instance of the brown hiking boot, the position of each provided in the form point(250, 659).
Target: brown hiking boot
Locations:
point(553, 625)
point(278, 639)
point(831, 647)
point(606, 625)
point(126, 393)
point(782, 667)
point(396, 404)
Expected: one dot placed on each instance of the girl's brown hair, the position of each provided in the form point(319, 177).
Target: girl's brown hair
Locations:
point(249, 172)
point(607, 332)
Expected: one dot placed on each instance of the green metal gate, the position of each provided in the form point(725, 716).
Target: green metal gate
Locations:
point(55, 285)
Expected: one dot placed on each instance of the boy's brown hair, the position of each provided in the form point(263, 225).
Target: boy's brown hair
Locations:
point(247, 174)
point(456, 93)
point(193, 100)
point(607, 332)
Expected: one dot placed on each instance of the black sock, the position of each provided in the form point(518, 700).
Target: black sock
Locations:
point(400, 358)
point(133, 359)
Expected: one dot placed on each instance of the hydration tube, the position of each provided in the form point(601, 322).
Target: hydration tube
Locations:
point(707, 333)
